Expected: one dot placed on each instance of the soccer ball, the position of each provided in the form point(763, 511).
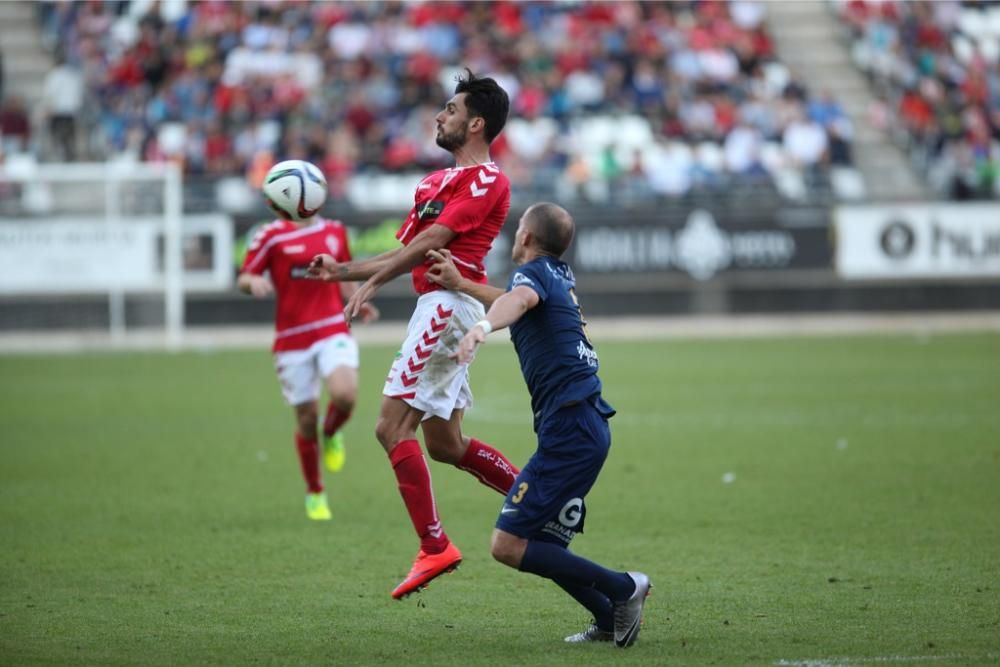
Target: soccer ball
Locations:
point(295, 189)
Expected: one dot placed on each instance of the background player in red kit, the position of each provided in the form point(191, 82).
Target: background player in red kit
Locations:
point(312, 341)
point(461, 209)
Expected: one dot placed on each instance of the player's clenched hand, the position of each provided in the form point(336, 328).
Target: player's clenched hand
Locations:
point(443, 272)
point(467, 348)
point(322, 267)
point(261, 286)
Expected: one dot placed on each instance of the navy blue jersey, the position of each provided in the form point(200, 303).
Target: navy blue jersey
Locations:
point(558, 362)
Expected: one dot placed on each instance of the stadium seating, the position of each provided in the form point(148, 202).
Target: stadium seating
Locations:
point(612, 102)
point(934, 66)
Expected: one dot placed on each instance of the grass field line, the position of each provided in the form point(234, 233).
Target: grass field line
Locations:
point(600, 328)
point(847, 662)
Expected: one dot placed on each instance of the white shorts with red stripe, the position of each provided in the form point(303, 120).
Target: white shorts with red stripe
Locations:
point(422, 374)
point(300, 371)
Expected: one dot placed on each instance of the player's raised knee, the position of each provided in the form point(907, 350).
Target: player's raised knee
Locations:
point(507, 549)
point(503, 554)
point(445, 450)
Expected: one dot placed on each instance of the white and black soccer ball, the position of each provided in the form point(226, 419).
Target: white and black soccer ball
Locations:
point(295, 189)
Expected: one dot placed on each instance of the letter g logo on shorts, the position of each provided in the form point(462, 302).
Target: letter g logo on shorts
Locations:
point(570, 514)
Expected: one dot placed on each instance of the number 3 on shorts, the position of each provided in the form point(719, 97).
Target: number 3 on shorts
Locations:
point(522, 488)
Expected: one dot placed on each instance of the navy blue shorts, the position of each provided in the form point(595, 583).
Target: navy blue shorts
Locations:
point(546, 501)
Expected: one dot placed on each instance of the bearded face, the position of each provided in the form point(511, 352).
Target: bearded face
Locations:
point(451, 140)
point(453, 124)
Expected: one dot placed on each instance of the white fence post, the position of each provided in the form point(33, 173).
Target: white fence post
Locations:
point(173, 256)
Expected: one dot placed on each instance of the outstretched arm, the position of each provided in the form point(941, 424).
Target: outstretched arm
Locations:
point(435, 236)
point(504, 312)
point(325, 267)
point(444, 273)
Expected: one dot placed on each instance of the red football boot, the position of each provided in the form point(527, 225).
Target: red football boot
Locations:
point(427, 567)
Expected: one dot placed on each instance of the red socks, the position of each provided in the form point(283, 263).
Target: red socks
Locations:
point(489, 466)
point(414, 479)
point(309, 460)
point(334, 419)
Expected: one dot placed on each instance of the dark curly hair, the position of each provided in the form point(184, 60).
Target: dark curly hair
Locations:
point(486, 99)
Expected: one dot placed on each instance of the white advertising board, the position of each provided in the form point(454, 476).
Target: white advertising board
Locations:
point(917, 241)
point(88, 255)
point(77, 256)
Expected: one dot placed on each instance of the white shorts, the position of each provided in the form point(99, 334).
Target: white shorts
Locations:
point(300, 371)
point(422, 374)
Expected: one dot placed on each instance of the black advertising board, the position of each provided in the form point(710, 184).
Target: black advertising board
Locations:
point(700, 246)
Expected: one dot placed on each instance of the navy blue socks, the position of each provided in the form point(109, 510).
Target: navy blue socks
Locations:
point(564, 567)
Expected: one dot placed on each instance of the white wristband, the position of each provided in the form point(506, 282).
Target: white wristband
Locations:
point(486, 326)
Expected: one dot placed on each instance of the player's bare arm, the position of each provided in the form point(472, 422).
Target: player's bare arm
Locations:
point(258, 286)
point(325, 267)
point(435, 236)
point(505, 311)
point(444, 273)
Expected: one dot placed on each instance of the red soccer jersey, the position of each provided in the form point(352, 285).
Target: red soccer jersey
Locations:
point(471, 201)
point(306, 310)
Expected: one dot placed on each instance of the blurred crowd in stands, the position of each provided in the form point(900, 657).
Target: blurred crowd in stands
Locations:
point(609, 99)
point(936, 71)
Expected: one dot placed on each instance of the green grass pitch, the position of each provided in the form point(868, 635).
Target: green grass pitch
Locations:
point(151, 513)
